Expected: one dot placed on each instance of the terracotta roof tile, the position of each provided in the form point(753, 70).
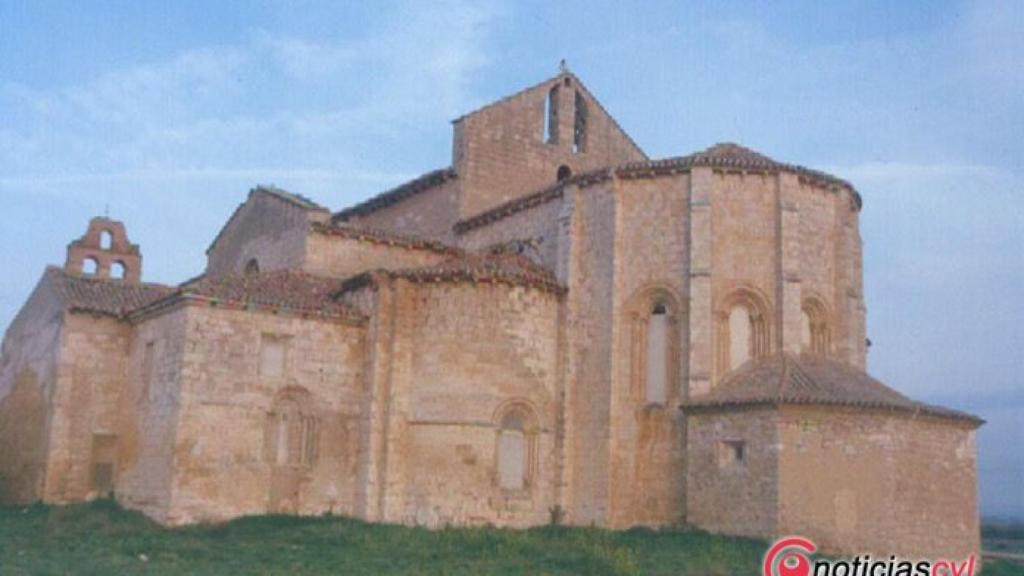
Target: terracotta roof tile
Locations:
point(415, 186)
point(383, 237)
point(812, 380)
point(290, 291)
point(726, 156)
point(538, 198)
point(106, 296)
point(492, 268)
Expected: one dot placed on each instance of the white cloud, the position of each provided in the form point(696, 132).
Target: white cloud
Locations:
point(269, 102)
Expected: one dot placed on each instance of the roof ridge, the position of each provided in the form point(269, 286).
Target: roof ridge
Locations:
point(808, 379)
point(471, 267)
point(650, 168)
point(309, 294)
point(380, 235)
point(290, 197)
point(421, 183)
point(273, 192)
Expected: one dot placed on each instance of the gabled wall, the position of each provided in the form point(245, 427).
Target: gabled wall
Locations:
point(500, 152)
point(265, 228)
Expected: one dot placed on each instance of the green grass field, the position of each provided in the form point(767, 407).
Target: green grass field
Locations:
point(100, 538)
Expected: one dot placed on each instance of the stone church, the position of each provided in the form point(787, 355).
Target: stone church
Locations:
point(553, 327)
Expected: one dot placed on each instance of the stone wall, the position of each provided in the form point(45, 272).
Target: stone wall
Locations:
point(651, 260)
point(430, 213)
point(744, 228)
point(266, 229)
point(538, 225)
point(591, 281)
point(463, 353)
point(341, 257)
point(224, 465)
point(729, 495)
point(28, 375)
point(500, 152)
point(84, 405)
point(859, 482)
point(150, 407)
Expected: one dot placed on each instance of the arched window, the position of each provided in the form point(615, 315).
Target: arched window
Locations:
point(551, 116)
point(117, 270)
point(293, 431)
point(657, 355)
point(654, 343)
point(815, 335)
point(564, 172)
point(740, 341)
point(252, 267)
point(516, 447)
point(743, 331)
point(106, 240)
point(90, 267)
point(579, 132)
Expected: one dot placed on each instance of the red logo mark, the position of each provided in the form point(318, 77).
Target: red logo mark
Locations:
point(779, 561)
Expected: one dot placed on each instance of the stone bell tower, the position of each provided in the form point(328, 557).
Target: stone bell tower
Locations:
point(105, 252)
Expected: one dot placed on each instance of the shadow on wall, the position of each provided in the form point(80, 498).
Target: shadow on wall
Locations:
point(22, 420)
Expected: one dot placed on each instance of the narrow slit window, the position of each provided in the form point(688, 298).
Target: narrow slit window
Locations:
point(551, 117)
point(579, 134)
point(657, 355)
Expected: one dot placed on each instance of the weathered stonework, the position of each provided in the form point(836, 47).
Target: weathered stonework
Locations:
point(552, 325)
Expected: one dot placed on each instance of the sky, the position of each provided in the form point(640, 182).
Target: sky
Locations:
point(165, 114)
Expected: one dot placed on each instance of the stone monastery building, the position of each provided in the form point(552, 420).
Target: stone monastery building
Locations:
point(554, 325)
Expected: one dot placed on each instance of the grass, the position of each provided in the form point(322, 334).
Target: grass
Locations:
point(101, 538)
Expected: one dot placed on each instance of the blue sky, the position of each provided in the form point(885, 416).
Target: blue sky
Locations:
point(169, 112)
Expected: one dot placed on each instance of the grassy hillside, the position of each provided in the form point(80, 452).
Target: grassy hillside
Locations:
point(100, 538)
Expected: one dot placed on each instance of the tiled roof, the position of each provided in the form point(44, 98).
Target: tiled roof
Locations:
point(501, 268)
point(728, 155)
point(811, 380)
point(383, 237)
point(106, 296)
point(542, 196)
point(290, 197)
point(290, 291)
point(422, 183)
point(725, 156)
point(297, 200)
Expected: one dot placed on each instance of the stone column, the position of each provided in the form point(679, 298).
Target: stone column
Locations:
point(379, 339)
point(788, 287)
point(701, 315)
point(567, 314)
